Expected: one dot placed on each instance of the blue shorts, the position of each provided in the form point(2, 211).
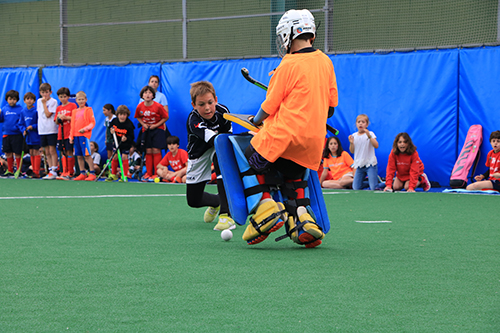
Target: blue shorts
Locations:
point(13, 144)
point(496, 184)
point(110, 146)
point(34, 147)
point(82, 146)
point(48, 140)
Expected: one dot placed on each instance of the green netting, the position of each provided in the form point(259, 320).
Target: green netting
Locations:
point(74, 32)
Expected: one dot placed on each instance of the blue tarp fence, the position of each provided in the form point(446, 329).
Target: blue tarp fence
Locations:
point(435, 96)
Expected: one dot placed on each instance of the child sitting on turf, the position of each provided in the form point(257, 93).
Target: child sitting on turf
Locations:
point(363, 144)
point(404, 168)
point(123, 128)
point(204, 123)
point(339, 163)
point(177, 159)
point(13, 141)
point(134, 161)
point(491, 178)
point(63, 118)
point(109, 112)
point(152, 117)
point(28, 124)
point(47, 128)
point(96, 157)
point(82, 123)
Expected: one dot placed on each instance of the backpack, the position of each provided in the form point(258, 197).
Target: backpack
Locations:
point(469, 157)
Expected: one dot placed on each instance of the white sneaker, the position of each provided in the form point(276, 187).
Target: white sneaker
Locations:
point(225, 222)
point(211, 214)
point(50, 175)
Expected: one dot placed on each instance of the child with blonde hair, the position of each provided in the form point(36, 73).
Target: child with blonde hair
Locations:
point(363, 144)
point(82, 123)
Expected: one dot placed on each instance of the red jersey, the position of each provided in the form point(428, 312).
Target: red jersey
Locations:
point(493, 162)
point(151, 114)
point(65, 110)
point(407, 167)
point(176, 162)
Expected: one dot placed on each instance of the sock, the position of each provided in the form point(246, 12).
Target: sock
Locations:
point(149, 164)
point(71, 165)
point(92, 172)
point(19, 163)
point(36, 164)
point(262, 180)
point(299, 191)
point(53, 170)
point(156, 160)
point(125, 166)
point(10, 164)
point(64, 162)
point(114, 166)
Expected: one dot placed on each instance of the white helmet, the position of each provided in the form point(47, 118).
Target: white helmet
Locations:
point(292, 24)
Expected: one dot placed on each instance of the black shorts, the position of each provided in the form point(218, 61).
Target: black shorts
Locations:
point(48, 140)
point(155, 138)
point(13, 144)
point(288, 168)
point(110, 146)
point(34, 147)
point(496, 184)
point(67, 146)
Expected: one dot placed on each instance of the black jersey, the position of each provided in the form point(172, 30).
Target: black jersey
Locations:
point(202, 132)
point(126, 128)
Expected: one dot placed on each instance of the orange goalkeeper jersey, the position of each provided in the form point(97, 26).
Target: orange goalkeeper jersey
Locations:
point(82, 119)
point(300, 92)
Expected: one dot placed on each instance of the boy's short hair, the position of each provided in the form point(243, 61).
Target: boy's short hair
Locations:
point(29, 95)
point(63, 91)
point(173, 140)
point(96, 145)
point(201, 88)
point(123, 109)
point(12, 94)
point(45, 87)
point(495, 135)
point(81, 93)
point(109, 107)
point(143, 90)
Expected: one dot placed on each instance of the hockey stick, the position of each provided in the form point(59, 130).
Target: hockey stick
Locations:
point(19, 167)
point(61, 142)
point(108, 163)
point(124, 178)
point(250, 79)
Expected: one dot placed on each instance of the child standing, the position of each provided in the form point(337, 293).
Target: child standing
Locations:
point(82, 123)
point(363, 144)
point(339, 163)
point(29, 126)
point(47, 128)
point(491, 178)
point(13, 141)
point(123, 127)
point(404, 168)
point(177, 159)
point(63, 118)
point(109, 111)
point(301, 96)
point(204, 123)
point(152, 116)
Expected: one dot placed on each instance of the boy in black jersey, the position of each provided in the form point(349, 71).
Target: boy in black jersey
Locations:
point(204, 123)
point(123, 127)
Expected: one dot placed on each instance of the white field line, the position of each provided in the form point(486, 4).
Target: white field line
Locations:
point(374, 221)
point(326, 193)
point(94, 196)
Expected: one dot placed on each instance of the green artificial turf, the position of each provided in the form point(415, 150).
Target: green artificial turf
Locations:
point(150, 263)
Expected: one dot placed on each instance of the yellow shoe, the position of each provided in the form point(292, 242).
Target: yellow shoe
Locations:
point(211, 214)
point(264, 221)
point(225, 222)
point(312, 234)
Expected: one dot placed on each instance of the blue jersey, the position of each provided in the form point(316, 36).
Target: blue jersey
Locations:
point(29, 117)
point(10, 117)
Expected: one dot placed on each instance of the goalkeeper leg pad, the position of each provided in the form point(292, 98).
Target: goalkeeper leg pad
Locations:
point(269, 217)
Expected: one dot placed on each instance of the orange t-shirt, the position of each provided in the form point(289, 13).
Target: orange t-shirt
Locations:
point(301, 90)
point(82, 119)
point(338, 166)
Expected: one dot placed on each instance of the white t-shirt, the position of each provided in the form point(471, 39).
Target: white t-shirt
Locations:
point(364, 152)
point(46, 125)
point(96, 157)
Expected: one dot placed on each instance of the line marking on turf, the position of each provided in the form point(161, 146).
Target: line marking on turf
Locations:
point(95, 196)
point(374, 221)
point(336, 193)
